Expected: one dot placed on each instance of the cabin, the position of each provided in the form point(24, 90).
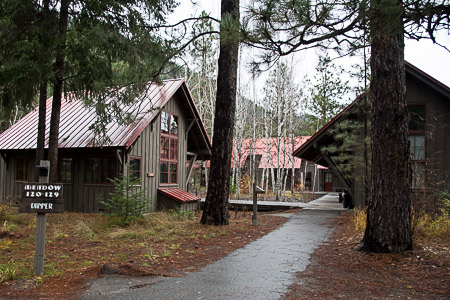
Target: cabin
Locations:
point(429, 137)
point(160, 145)
point(307, 175)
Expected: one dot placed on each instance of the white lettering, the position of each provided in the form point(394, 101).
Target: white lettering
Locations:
point(47, 206)
point(57, 188)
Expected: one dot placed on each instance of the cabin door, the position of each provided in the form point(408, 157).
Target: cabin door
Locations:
point(328, 182)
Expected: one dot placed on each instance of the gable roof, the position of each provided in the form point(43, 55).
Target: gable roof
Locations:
point(268, 149)
point(76, 119)
point(432, 82)
point(310, 150)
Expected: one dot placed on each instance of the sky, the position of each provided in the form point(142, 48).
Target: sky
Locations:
point(430, 58)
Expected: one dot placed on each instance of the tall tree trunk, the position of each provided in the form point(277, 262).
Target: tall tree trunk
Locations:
point(215, 211)
point(40, 143)
point(389, 212)
point(57, 90)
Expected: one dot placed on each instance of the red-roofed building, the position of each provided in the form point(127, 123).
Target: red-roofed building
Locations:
point(308, 175)
point(166, 135)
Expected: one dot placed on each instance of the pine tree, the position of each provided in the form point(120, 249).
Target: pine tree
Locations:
point(215, 211)
point(127, 200)
point(284, 27)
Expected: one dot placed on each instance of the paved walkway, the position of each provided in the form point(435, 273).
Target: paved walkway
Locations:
point(264, 269)
point(329, 201)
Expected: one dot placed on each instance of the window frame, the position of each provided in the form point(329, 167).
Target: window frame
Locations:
point(23, 161)
point(60, 162)
point(100, 169)
point(169, 155)
point(422, 161)
point(132, 171)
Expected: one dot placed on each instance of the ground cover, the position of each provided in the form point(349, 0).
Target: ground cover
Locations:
point(81, 246)
point(339, 271)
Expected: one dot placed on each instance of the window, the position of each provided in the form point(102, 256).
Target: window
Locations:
point(417, 147)
point(100, 170)
point(417, 144)
point(416, 114)
point(22, 169)
point(169, 148)
point(135, 167)
point(65, 169)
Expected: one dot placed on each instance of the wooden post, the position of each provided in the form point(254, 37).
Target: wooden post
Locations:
point(256, 190)
point(44, 169)
point(255, 206)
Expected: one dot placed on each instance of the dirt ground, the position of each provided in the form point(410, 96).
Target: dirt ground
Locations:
point(169, 250)
point(339, 271)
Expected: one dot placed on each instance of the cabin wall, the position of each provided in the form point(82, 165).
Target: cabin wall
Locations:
point(147, 147)
point(11, 189)
point(78, 195)
point(437, 108)
point(2, 180)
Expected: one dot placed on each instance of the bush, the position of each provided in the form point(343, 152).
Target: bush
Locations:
point(359, 220)
point(436, 224)
point(128, 199)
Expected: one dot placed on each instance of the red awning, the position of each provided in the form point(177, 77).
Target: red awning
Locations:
point(178, 195)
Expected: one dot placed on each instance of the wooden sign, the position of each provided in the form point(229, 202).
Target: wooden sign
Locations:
point(42, 198)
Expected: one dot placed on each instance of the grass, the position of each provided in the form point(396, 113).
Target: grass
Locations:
point(75, 242)
point(426, 227)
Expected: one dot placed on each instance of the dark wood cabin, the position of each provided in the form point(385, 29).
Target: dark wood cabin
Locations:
point(160, 145)
point(429, 136)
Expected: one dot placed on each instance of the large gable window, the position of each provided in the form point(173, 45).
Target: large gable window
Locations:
point(169, 148)
point(417, 144)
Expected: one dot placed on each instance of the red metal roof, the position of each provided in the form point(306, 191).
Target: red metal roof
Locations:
point(268, 149)
point(76, 119)
point(178, 195)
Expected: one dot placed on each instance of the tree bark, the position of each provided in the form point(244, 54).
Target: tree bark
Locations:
point(389, 212)
point(40, 144)
point(215, 211)
point(57, 90)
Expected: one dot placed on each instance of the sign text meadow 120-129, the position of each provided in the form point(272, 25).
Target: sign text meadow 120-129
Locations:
point(49, 191)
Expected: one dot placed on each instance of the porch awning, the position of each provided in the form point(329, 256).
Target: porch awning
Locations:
point(178, 195)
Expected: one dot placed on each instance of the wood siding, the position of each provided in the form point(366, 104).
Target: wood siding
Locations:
point(147, 147)
point(437, 108)
point(11, 189)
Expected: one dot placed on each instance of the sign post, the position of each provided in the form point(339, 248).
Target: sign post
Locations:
point(41, 198)
point(256, 190)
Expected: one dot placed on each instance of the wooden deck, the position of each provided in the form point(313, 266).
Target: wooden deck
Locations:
point(327, 201)
point(263, 205)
